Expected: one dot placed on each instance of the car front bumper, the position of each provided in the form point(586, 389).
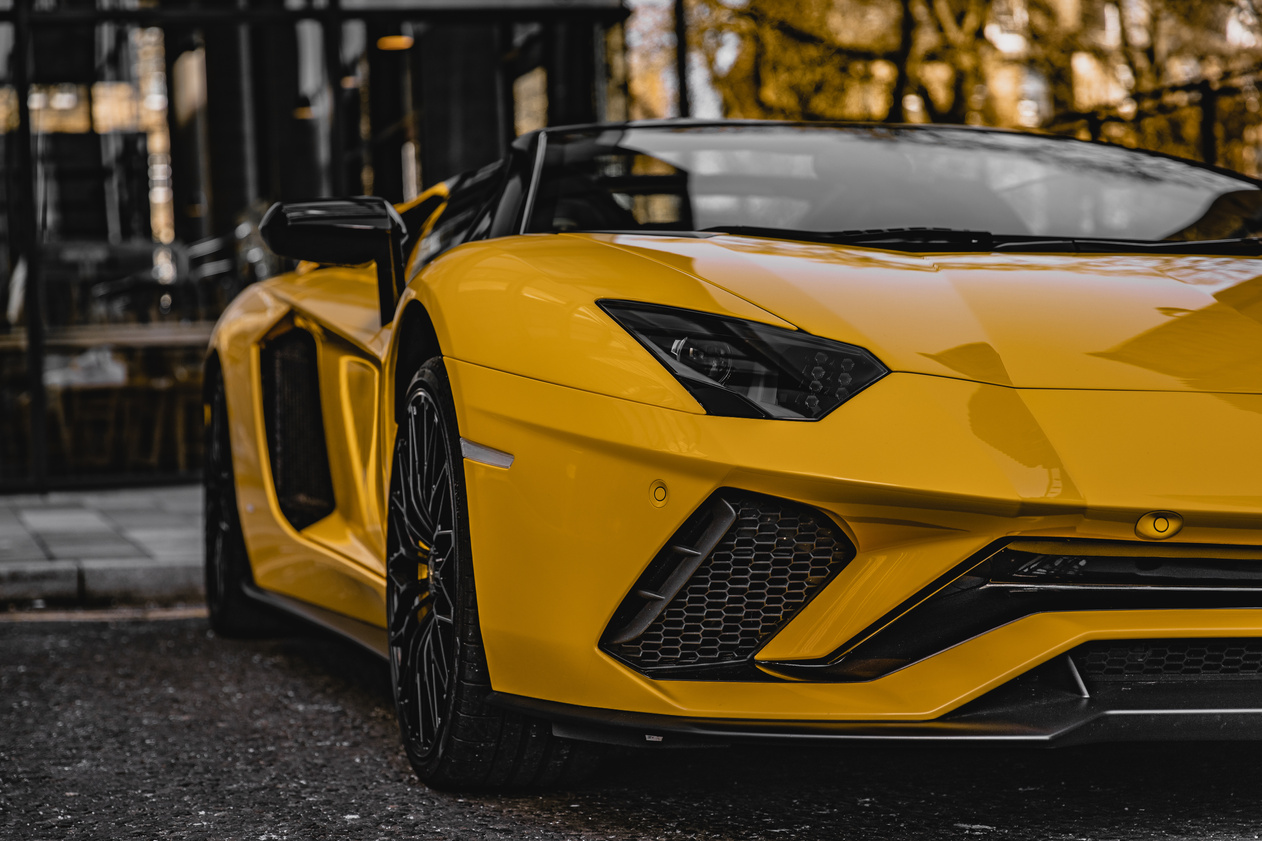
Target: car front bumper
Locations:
point(919, 472)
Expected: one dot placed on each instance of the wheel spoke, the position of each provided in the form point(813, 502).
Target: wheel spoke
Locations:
point(408, 606)
point(421, 551)
point(404, 535)
point(413, 498)
point(434, 672)
point(412, 687)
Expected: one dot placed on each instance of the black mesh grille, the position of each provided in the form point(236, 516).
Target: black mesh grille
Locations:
point(295, 428)
point(771, 560)
point(1170, 659)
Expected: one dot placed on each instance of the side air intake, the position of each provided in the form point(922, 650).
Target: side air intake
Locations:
point(295, 428)
point(740, 567)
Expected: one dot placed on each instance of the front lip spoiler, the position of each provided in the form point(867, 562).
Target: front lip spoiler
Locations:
point(1209, 710)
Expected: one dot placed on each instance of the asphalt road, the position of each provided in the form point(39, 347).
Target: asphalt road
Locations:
point(158, 729)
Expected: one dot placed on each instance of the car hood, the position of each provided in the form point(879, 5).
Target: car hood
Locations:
point(1067, 321)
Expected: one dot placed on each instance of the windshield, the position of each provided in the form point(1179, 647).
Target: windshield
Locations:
point(847, 178)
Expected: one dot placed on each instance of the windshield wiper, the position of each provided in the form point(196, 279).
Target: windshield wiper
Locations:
point(895, 238)
point(1246, 246)
point(952, 239)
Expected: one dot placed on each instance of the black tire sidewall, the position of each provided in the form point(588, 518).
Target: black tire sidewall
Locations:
point(232, 612)
point(221, 572)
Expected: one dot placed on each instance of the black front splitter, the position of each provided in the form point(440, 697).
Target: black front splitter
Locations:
point(1025, 712)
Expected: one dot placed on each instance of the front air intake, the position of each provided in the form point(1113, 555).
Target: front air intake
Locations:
point(735, 572)
point(1022, 577)
point(1164, 660)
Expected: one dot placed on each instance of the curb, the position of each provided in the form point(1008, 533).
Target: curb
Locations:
point(90, 581)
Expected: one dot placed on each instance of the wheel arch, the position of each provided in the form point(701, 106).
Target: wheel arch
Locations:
point(417, 342)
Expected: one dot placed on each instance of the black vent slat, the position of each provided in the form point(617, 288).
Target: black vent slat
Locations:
point(772, 559)
point(295, 428)
point(1170, 659)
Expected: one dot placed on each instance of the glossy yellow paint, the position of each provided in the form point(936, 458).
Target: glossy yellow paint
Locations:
point(1130, 321)
point(338, 562)
point(526, 305)
point(1032, 395)
point(439, 189)
point(925, 482)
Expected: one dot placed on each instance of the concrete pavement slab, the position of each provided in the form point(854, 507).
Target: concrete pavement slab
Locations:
point(184, 502)
point(64, 520)
point(14, 529)
point(132, 498)
point(165, 534)
point(139, 545)
point(107, 545)
point(49, 500)
point(127, 519)
point(20, 547)
point(161, 543)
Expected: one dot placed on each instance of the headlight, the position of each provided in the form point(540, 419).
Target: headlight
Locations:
point(749, 370)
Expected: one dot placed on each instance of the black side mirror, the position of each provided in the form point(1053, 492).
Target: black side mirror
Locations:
point(343, 232)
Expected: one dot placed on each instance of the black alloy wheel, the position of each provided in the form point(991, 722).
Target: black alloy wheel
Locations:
point(419, 600)
point(453, 737)
point(232, 612)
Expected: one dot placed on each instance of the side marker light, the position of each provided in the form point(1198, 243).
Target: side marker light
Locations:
point(485, 455)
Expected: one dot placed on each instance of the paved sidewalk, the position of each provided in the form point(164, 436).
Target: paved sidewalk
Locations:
point(135, 545)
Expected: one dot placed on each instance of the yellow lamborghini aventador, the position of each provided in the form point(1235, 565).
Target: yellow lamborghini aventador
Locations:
point(689, 433)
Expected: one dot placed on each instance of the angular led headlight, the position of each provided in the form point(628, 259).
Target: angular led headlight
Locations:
point(745, 369)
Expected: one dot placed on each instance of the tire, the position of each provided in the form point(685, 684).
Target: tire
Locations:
point(454, 739)
point(232, 612)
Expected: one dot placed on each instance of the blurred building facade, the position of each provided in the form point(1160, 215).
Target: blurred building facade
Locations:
point(141, 141)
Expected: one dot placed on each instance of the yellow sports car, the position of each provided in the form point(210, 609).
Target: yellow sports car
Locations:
point(686, 433)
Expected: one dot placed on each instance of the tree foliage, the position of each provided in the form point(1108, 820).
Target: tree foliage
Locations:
point(997, 62)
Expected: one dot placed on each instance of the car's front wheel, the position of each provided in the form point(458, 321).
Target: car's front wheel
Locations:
point(453, 737)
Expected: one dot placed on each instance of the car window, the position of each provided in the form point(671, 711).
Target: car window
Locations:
point(846, 178)
point(466, 216)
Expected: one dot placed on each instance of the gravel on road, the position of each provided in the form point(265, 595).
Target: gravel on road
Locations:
point(159, 730)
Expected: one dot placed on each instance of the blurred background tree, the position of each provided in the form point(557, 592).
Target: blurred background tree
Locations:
point(1179, 76)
